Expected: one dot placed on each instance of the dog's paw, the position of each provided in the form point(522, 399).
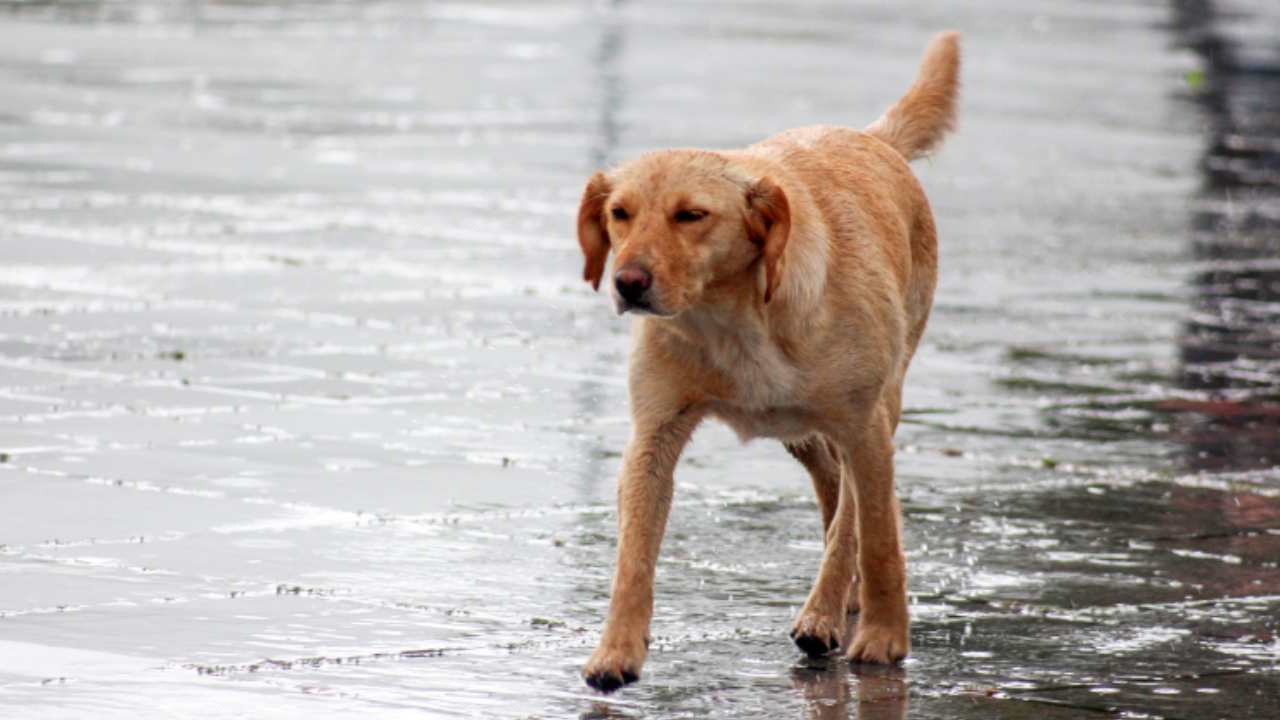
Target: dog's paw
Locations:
point(817, 633)
point(612, 666)
point(880, 644)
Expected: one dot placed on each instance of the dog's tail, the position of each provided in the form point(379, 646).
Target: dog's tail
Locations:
point(916, 123)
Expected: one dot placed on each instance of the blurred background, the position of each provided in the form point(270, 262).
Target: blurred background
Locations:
point(305, 410)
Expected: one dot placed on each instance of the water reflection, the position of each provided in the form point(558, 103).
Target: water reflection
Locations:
point(877, 693)
point(601, 710)
point(1230, 344)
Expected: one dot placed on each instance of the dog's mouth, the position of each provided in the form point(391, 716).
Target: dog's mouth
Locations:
point(639, 307)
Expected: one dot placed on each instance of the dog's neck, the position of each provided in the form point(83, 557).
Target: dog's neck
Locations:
point(735, 312)
point(804, 273)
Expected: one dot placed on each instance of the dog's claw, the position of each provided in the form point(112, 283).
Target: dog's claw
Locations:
point(818, 633)
point(880, 645)
point(607, 681)
point(614, 665)
point(814, 646)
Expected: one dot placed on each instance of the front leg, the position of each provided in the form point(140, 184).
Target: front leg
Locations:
point(882, 635)
point(644, 498)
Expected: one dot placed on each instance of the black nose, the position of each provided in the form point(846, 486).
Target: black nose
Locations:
point(632, 282)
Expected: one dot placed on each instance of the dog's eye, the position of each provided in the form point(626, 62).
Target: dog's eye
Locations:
point(619, 213)
point(688, 216)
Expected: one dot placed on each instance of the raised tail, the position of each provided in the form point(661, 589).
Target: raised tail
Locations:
point(915, 124)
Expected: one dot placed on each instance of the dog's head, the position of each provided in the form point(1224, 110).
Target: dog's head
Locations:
point(680, 222)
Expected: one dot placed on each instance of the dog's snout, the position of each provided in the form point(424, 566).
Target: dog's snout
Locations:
point(632, 283)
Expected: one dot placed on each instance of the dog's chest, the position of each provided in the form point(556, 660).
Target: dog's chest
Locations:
point(763, 395)
point(760, 375)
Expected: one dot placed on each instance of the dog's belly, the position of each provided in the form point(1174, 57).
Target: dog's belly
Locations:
point(782, 423)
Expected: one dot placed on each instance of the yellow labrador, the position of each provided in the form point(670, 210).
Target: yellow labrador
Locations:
point(782, 289)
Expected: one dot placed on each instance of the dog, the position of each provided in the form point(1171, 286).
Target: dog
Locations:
point(782, 289)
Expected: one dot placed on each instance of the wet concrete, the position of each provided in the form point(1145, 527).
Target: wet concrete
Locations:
point(305, 411)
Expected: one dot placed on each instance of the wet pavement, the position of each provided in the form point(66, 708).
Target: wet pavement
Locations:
point(305, 411)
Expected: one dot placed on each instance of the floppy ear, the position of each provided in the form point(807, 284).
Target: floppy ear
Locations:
point(769, 226)
point(592, 235)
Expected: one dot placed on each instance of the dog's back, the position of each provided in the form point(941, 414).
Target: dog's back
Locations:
point(864, 189)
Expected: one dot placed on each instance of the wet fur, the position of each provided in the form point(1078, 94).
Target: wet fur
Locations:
point(791, 311)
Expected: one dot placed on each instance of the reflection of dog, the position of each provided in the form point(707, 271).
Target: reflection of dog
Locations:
point(880, 692)
point(784, 289)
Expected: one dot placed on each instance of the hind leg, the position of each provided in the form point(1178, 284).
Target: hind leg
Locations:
point(816, 455)
point(893, 403)
point(819, 457)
